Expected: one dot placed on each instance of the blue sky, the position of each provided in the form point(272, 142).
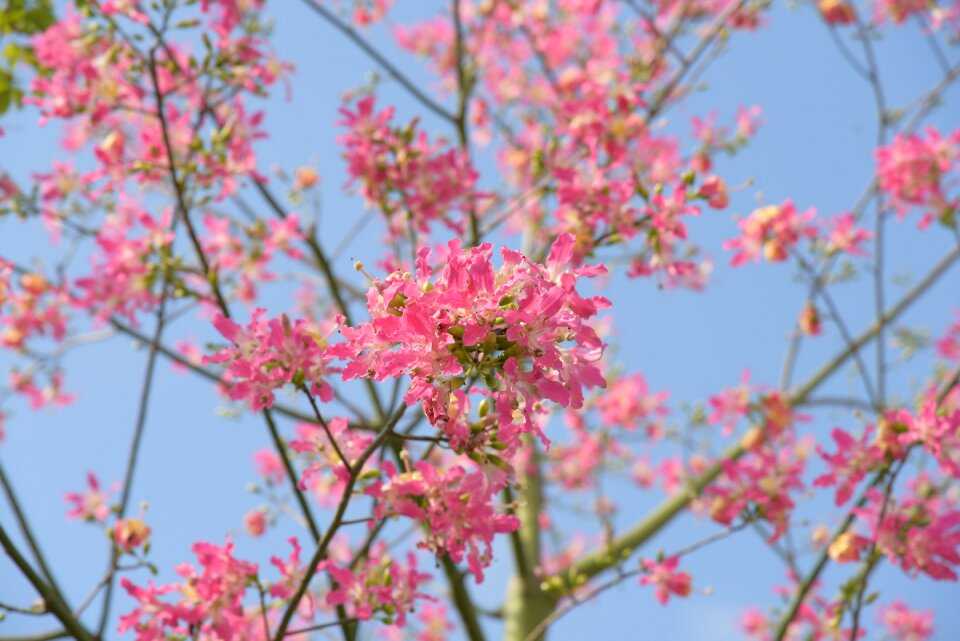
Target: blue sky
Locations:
point(815, 148)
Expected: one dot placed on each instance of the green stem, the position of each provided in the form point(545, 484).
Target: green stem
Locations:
point(528, 605)
point(52, 599)
point(461, 599)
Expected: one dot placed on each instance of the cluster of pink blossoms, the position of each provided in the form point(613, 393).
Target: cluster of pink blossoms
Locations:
point(268, 354)
point(316, 450)
point(920, 533)
point(626, 405)
point(454, 505)
point(904, 624)
point(31, 307)
point(123, 278)
point(208, 601)
point(916, 172)
point(522, 329)
point(411, 180)
point(380, 584)
point(769, 475)
point(249, 259)
point(772, 232)
point(580, 125)
point(96, 81)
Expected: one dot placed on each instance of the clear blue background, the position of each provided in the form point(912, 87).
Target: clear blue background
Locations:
point(816, 147)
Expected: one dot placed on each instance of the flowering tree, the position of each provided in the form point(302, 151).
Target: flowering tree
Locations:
point(436, 411)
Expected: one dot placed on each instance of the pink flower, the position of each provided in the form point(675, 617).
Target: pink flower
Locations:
point(715, 191)
point(269, 466)
point(904, 624)
point(809, 321)
point(411, 180)
point(436, 624)
point(948, 345)
point(90, 505)
point(668, 580)
point(730, 405)
point(770, 233)
point(380, 584)
point(456, 507)
point(853, 459)
point(913, 170)
point(845, 236)
point(131, 533)
point(837, 11)
point(209, 602)
point(521, 329)
point(267, 355)
point(255, 523)
point(629, 403)
point(292, 572)
point(919, 533)
point(899, 10)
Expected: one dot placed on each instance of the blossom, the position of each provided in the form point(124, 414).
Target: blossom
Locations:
point(379, 584)
point(315, 446)
point(837, 11)
point(629, 403)
point(770, 233)
point(269, 465)
point(851, 462)
point(255, 523)
point(899, 10)
point(665, 576)
point(455, 506)
point(412, 180)
point(208, 601)
point(292, 572)
point(92, 504)
point(130, 533)
point(305, 178)
point(435, 621)
point(919, 533)
point(521, 329)
point(905, 624)
point(844, 236)
point(948, 345)
point(913, 169)
point(267, 355)
point(809, 321)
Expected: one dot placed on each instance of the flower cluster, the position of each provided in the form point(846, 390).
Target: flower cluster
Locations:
point(268, 354)
point(914, 171)
point(905, 624)
point(325, 474)
point(521, 329)
point(209, 601)
point(125, 272)
point(410, 179)
point(455, 506)
point(30, 306)
point(380, 584)
point(630, 404)
point(920, 533)
point(770, 233)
